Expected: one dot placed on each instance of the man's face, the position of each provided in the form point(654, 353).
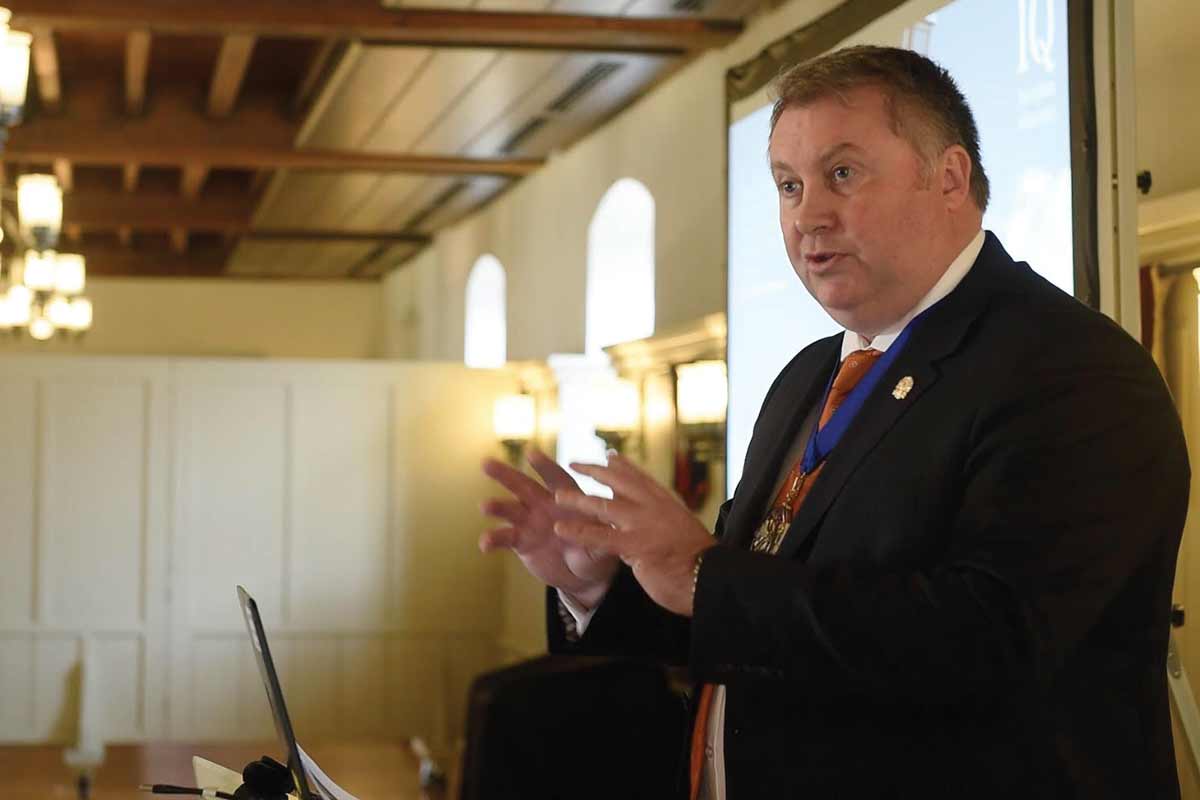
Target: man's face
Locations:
point(861, 219)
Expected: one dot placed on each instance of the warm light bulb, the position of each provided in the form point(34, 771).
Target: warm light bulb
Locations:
point(19, 304)
point(70, 273)
point(39, 205)
point(514, 417)
point(59, 311)
point(41, 328)
point(14, 71)
point(81, 314)
point(702, 392)
point(39, 270)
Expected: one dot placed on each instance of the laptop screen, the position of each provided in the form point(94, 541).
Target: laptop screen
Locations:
point(266, 668)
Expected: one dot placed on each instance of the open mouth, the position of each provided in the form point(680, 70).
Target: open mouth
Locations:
point(821, 259)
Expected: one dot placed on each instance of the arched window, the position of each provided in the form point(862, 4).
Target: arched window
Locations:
point(486, 339)
point(620, 267)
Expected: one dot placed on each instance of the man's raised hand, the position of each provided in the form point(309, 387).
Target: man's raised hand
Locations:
point(645, 524)
point(531, 513)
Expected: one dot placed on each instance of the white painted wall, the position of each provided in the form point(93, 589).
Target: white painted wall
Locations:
point(226, 317)
point(137, 492)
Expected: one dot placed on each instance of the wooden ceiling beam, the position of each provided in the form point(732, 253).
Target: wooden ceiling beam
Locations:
point(102, 149)
point(93, 113)
point(137, 63)
point(255, 137)
point(130, 171)
point(227, 213)
point(64, 174)
point(370, 22)
point(192, 179)
point(319, 68)
point(200, 261)
point(114, 260)
point(45, 67)
point(157, 211)
point(229, 73)
point(332, 237)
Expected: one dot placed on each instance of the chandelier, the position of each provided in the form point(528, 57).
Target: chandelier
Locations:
point(42, 291)
point(14, 73)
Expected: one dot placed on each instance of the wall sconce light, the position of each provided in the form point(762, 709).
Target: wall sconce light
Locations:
point(701, 399)
point(618, 413)
point(514, 419)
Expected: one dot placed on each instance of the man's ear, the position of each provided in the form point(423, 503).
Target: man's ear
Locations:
point(955, 175)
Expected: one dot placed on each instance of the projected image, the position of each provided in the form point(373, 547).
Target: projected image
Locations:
point(1009, 57)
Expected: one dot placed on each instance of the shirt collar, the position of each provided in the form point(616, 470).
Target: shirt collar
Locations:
point(953, 275)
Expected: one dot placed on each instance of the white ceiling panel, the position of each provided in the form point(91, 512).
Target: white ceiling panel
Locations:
point(337, 210)
point(714, 9)
point(376, 82)
point(295, 199)
point(431, 193)
point(512, 5)
point(567, 103)
point(613, 7)
point(467, 101)
point(336, 259)
point(505, 83)
point(388, 207)
point(476, 192)
point(266, 258)
point(449, 74)
point(386, 261)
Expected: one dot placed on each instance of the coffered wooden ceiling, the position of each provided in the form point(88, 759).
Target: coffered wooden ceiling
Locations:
point(296, 138)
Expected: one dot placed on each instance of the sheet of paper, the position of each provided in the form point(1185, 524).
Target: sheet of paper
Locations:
point(214, 776)
point(320, 782)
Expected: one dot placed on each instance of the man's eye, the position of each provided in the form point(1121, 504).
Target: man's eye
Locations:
point(841, 174)
point(788, 187)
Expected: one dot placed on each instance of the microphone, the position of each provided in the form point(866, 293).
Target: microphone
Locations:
point(265, 779)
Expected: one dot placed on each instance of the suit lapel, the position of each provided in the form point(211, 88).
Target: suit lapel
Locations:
point(798, 392)
point(940, 333)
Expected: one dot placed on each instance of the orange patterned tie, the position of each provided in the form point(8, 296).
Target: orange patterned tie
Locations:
point(770, 534)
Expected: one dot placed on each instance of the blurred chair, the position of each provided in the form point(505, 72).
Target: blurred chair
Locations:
point(578, 728)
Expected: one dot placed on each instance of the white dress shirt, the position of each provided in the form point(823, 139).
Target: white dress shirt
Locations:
point(712, 783)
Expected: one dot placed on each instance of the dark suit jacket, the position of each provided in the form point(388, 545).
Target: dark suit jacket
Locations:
point(973, 601)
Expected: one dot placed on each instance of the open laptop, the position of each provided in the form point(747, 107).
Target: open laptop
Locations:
point(266, 668)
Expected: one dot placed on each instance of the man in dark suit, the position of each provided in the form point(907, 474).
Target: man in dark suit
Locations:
point(947, 568)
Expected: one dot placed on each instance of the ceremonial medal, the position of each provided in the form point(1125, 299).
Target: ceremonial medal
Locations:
point(770, 534)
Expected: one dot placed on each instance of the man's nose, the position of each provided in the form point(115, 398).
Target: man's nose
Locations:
point(814, 213)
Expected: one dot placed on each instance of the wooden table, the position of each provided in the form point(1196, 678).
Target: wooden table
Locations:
point(371, 770)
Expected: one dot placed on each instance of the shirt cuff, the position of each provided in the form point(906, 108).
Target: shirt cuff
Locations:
point(581, 615)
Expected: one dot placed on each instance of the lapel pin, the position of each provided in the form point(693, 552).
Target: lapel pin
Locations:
point(903, 388)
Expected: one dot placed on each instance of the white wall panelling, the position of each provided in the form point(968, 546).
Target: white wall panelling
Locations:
point(83, 549)
point(344, 495)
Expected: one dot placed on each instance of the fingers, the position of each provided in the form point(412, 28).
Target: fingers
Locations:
point(590, 535)
point(618, 512)
point(622, 477)
point(515, 512)
point(554, 476)
point(524, 487)
point(500, 539)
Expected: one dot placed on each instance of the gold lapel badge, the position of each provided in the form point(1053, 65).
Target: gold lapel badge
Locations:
point(903, 388)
